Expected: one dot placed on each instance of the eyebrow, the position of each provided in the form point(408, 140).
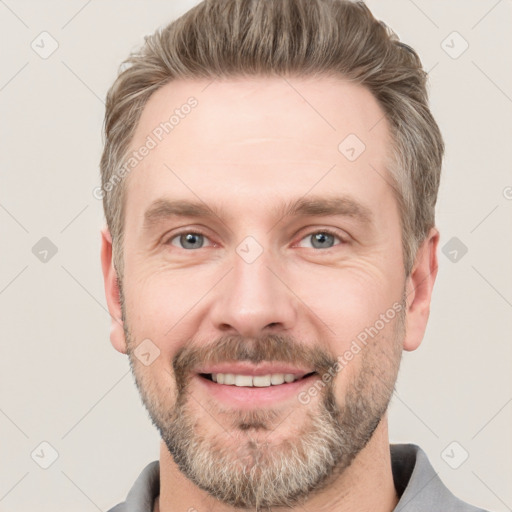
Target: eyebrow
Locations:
point(316, 206)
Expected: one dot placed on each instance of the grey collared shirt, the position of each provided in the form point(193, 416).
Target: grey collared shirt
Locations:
point(416, 483)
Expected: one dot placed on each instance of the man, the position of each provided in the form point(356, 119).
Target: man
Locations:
point(270, 174)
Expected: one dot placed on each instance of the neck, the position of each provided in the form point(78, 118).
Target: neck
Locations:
point(366, 485)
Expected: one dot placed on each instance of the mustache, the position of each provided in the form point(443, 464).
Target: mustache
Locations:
point(234, 348)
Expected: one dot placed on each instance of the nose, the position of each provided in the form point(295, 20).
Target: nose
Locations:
point(253, 299)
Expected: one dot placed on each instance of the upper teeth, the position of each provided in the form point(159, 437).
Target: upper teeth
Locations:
point(259, 381)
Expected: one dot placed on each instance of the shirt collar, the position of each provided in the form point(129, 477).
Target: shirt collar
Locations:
point(417, 484)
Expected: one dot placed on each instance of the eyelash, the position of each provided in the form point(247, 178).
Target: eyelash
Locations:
point(326, 231)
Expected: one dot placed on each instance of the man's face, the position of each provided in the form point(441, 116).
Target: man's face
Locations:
point(258, 290)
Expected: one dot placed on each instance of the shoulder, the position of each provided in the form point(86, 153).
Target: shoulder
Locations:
point(143, 492)
point(418, 484)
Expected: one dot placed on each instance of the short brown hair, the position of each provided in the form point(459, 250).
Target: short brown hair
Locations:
point(229, 38)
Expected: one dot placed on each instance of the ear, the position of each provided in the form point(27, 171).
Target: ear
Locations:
point(419, 290)
point(117, 337)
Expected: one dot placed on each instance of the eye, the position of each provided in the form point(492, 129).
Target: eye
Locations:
point(187, 240)
point(323, 239)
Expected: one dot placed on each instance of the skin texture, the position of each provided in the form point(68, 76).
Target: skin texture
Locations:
point(250, 145)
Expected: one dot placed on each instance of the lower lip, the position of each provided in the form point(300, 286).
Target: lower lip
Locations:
point(249, 397)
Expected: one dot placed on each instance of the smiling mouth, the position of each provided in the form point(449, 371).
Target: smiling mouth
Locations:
point(258, 381)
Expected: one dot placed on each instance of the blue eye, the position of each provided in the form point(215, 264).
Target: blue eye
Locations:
point(324, 239)
point(320, 239)
point(188, 240)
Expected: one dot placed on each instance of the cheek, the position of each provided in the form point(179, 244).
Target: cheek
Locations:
point(157, 385)
point(347, 299)
point(155, 300)
point(161, 306)
point(368, 360)
point(149, 311)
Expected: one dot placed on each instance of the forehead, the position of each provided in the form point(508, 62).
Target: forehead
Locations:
point(259, 137)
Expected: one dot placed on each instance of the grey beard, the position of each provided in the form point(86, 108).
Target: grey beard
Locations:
point(259, 474)
point(239, 466)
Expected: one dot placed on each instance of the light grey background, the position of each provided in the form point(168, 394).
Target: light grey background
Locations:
point(60, 379)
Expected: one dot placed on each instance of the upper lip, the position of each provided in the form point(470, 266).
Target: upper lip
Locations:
point(254, 370)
